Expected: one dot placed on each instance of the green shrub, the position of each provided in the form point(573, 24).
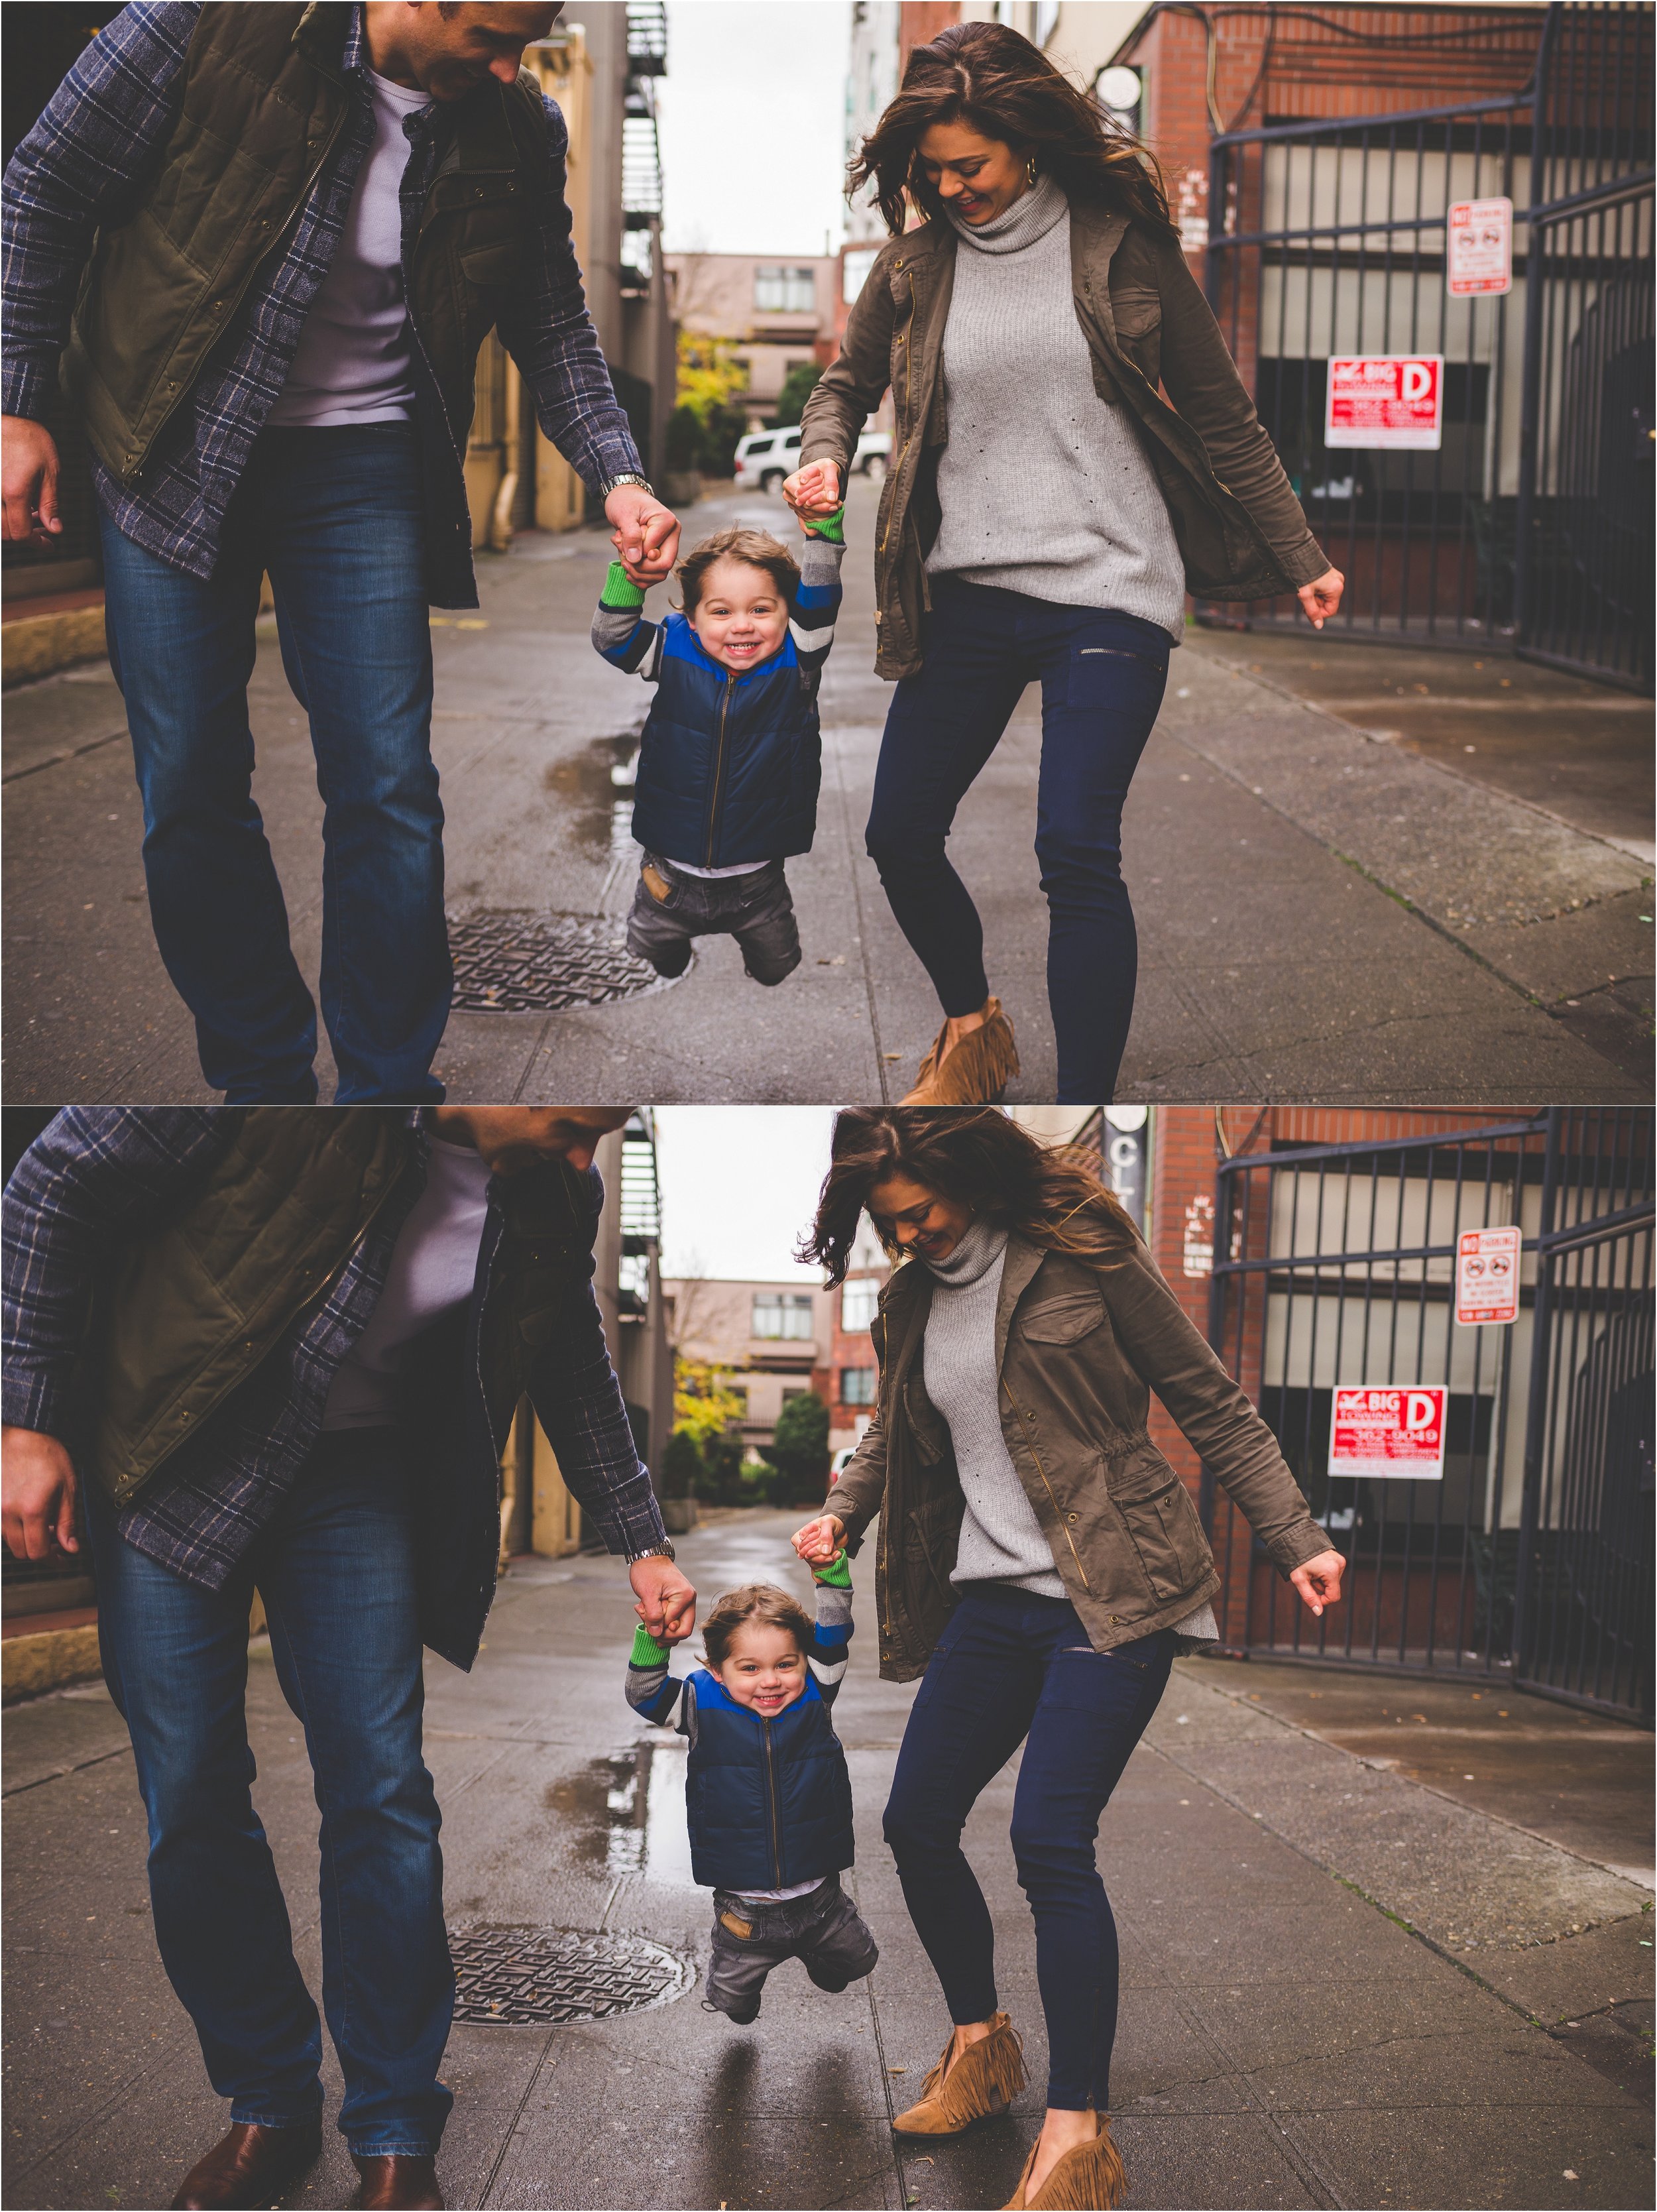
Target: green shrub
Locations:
point(681, 1471)
point(799, 1451)
point(797, 387)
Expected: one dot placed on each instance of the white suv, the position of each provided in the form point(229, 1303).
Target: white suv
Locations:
point(764, 458)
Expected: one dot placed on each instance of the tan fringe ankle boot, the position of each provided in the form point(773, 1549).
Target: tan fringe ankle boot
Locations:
point(1088, 2179)
point(985, 2078)
point(975, 1071)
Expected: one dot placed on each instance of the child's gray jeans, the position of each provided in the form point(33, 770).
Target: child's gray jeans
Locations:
point(824, 1930)
point(758, 909)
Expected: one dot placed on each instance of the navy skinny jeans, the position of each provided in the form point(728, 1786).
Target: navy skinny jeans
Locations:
point(1103, 676)
point(1013, 1668)
point(335, 1568)
point(336, 516)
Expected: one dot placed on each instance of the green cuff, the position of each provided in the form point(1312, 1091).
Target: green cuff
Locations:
point(831, 526)
point(620, 590)
point(647, 1651)
point(837, 1573)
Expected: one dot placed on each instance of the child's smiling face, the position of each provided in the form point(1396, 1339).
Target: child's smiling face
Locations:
point(741, 618)
point(763, 1667)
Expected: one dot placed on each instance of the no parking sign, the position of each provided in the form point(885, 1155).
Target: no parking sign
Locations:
point(1486, 1276)
point(1389, 1431)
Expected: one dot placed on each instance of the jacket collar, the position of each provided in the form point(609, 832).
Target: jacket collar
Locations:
point(1023, 1260)
point(909, 1302)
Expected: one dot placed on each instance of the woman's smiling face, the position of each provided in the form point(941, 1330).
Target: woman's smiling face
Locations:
point(917, 1219)
point(741, 618)
point(976, 178)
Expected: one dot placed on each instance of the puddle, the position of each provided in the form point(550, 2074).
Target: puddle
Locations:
point(594, 787)
point(626, 1813)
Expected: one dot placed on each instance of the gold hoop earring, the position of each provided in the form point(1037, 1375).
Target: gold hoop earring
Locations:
point(1029, 170)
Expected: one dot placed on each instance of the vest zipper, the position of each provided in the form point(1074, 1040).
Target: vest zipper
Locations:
point(718, 799)
point(771, 1793)
point(1047, 1486)
point(242, 290)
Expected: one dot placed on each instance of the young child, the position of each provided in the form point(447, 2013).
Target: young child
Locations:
point(731, 757)
point(766, 1789)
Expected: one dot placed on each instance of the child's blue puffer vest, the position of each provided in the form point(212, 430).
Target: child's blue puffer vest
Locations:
point(729, 764)
point(769, 1801)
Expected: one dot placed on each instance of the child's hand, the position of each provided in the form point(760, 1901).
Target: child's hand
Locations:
point(815, 491)
point(819, 1541)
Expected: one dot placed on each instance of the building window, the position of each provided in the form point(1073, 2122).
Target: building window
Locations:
point(857, 1385)
point(854, 267)
point(785, 291)
point(859, 1301)
point(785, 1314)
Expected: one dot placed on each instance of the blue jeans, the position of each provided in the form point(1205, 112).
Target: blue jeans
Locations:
point(336, 516)
point(337, 1571)
point(1010, 1668)
point(1103, 676)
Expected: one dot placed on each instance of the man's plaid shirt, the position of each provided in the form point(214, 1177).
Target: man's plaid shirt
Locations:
point(97, 147)
point(103, 1175)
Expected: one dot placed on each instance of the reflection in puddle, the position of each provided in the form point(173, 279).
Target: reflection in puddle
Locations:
point(595, 786)
point(626, 1813)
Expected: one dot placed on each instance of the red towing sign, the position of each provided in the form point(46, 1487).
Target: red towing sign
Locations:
point(1486, 1276)
point(1388, 1432)
point(1384, 399)
point(1478, 258)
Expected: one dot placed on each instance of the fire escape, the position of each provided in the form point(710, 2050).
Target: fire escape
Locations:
point(641, 153)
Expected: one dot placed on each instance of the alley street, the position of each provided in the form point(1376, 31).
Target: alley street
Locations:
point(1329, 908)
point(1342, 1985)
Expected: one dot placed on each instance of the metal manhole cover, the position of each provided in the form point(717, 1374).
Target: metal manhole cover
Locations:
point(515, 964)
point(514, 1977)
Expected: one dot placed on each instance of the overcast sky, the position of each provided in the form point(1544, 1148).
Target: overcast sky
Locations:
point(752, 119)
point(738, 1185)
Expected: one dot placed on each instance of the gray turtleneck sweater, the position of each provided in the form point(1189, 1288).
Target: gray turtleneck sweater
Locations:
point(1001, 1539)
point(1045, 489)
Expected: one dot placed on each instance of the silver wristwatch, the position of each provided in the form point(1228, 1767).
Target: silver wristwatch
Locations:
point(628, 476)
point(663, 1551)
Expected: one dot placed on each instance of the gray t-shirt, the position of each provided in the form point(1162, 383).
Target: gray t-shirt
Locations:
point(352, 363)
point(433, 1267)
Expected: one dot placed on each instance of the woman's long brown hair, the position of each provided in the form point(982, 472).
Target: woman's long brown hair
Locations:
point(986, 75)
point(1051, 1195)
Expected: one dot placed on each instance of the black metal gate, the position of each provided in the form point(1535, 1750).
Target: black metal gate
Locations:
point(1530, 1557)
point(1530, 528)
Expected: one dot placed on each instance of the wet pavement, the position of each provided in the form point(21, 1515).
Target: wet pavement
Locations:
point(1340, 1987)
point(1323, 912)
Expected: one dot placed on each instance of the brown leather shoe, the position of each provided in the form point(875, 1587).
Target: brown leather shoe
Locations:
point(251, 2166)
point(393, 2183)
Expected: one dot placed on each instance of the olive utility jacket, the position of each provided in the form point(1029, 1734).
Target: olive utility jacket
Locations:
point(1080, 1346)
point(1240, 527)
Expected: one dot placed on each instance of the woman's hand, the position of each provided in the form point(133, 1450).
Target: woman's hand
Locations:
point(1321, 598)
point(813, 492)
point(1318, 1580)
point(820, 1541)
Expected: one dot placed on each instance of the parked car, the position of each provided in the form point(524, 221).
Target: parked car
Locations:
point(764, 458)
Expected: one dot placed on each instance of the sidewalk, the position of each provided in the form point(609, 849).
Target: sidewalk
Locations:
point(1286, 2039)
point(1323, 914)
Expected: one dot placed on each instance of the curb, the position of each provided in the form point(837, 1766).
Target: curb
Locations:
point(32, 646)
point(30, 1665)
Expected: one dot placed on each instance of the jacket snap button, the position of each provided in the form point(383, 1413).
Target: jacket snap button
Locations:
point(1069, 1516)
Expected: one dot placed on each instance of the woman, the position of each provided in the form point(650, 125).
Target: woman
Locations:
point(1047, 510)
point(1038, 1562)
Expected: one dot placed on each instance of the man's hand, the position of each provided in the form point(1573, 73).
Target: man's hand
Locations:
point(37, 1494)
point(1321, 598)
point(1318, 1580)
point(646, 536)
point(820, 1541)
point(667, 1603)
point(29, 481)
point(813, 492)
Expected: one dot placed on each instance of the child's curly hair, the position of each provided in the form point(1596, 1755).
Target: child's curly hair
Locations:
point(763, 1601)
point(754, 549)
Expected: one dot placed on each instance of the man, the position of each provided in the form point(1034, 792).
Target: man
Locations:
point(295, 225)
point(281, 1351)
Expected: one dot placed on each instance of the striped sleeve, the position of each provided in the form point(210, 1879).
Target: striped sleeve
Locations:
point(619, 632)
point(816, 601)
point(652, 1691)
point(832, 1633)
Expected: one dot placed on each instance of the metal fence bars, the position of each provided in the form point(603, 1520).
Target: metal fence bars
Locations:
point(1527, 1552)
point(1527, 526)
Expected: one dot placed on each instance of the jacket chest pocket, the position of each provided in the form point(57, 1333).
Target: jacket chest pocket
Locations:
point(1138, 314)
point(1063, 1320)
